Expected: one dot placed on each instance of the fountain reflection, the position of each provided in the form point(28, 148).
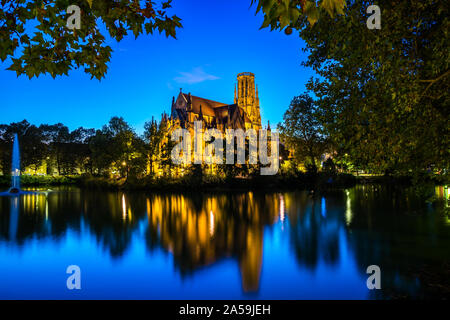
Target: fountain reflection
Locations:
point(14, 218)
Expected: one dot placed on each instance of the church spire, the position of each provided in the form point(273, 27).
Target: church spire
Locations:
point(200, 115)
point(189, 102)
point(235, 96)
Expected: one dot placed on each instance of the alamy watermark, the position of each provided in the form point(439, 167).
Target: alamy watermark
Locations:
point(213, 152)
point(74, 280)
point(374, 21)
point(74, 20)
point(374, 280)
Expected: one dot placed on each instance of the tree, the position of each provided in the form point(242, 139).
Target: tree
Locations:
point(121, 139)
point(50, 47)
point(280, 14)
point(137, 163)
point(153, 136)
point(5, 150)
point(165, 148)
point(32, 148)
point(67, 151)
point(100, 146)
point(79, 147)
point(301, 130)
point(56, 136)
point(383, 94)
point(118, 147)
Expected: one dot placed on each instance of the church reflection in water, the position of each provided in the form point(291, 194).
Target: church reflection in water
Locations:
point(199, 230)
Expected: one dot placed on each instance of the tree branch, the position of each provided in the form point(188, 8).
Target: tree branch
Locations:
point(432, 81)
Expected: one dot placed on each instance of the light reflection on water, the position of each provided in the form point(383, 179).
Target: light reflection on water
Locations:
point(287, 245)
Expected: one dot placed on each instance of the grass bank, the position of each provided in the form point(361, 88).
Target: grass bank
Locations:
point(41, 181)
point(210, 182)
point(207, 182)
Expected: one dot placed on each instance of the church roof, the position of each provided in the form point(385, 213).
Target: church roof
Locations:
point(221, 112)
point(208, 106)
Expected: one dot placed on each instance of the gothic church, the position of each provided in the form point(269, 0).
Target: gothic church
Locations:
point(244, 113)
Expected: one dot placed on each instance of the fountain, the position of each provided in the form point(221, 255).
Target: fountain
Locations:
point(15, 171)
point(15, 167)
point(15, 174)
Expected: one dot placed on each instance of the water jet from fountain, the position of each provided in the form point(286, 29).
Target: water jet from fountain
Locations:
point(15, 167)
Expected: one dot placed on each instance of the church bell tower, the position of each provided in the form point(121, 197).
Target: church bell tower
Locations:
point(246, 97)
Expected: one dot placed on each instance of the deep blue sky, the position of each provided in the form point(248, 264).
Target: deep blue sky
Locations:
point(219, 39)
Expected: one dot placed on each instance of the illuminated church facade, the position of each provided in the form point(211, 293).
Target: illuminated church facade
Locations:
point(186, 109)
point(244, 113)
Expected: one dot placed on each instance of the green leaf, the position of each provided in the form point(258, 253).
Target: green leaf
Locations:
point(312, 12)
point(266, 23)
point(332, 6)
point(267, 4)
point(294, 13)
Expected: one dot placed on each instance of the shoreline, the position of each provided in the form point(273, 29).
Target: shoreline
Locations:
point(303, 181)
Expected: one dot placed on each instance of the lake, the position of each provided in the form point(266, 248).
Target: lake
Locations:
point(250, 245)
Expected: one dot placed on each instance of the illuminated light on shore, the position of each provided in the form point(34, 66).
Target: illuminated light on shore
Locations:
point(211, 223)
point(348, 209)
point(442, 192)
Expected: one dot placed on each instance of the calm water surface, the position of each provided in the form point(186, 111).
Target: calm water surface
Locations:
point(252, 245)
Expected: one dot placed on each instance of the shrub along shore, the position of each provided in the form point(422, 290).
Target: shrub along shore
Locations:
point(210, 182)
